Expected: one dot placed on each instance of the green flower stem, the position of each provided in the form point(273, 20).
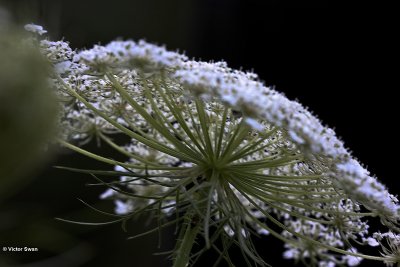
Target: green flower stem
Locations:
point(149, 142)
point(267, 163)
point(190, 230)
point(179, 116)
point(190, 154)
point(214, 180)
point(265, 184)
point(254, 192)
point(262, 195)
point(131, 174)
point(204, 122)
point(275, 178)
point(196, 219)
point(315, 242)
point(176, 112)
point(240, 132)
point(221, 132)
point(114, 162)
point(196, 127)
point(295, 185)
point(280, 190)
point(156, 109)
point(252, 146)
point(247, 249)
point(126, 153)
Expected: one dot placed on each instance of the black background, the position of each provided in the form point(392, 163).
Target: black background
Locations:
point(340, 62)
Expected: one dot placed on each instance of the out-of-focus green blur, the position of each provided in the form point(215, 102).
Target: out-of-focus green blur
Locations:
point(27, 109)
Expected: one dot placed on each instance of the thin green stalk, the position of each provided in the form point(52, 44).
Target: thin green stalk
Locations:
point(315, 242)
point(279, 178)
point(251, 149)
point(250, 152)
point(151, 143)
point(126, 153)
point(291, 202)
point(221, 133)
point(165, 120)
point(190, 230)
point(179, 117)
point(161, 129)
point(268, 196)
point(204, 121)
point(196, 128)
point(115, 162)
point(237, 137)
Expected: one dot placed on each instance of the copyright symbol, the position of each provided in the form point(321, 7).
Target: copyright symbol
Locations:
point(4, 249)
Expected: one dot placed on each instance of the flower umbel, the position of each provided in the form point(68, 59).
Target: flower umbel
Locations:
point(215, 151)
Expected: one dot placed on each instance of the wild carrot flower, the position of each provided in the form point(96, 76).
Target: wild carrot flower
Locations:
point(219, 153)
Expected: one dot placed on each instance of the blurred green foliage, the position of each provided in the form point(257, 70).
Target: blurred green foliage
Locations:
point(27, 109)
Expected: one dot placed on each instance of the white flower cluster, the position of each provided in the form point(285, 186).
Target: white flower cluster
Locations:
point(130, 54)
point(298, 170)
point(35, 29)
point(390, 243)
point(304, 249)
point(242, 92)
point(56, 51)
point(358, 184)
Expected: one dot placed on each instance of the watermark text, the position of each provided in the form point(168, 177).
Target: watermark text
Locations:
point(19, 249)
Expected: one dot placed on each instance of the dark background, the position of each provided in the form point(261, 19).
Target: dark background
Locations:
point(338, 62)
